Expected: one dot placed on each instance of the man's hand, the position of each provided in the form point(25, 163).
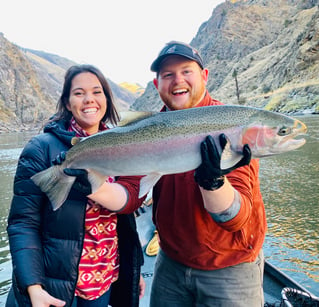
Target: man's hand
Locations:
point(209, 175)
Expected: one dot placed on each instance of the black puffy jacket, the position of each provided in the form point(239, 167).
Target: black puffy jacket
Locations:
point(46, 245)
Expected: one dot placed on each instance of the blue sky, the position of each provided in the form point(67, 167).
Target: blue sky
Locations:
point(121, 38)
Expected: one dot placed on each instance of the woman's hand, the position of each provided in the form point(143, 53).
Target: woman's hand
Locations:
point(142, 286)
point(41, 298)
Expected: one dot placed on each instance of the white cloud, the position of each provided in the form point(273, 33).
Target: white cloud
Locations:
point(121, 38)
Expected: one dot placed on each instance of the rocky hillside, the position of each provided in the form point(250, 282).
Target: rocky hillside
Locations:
point(30, 85)
point(270, 46)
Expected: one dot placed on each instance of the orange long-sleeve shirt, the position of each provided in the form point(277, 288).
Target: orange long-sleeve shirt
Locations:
point(188, 233)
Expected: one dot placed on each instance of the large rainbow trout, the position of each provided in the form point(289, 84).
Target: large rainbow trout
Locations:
point(168, 143)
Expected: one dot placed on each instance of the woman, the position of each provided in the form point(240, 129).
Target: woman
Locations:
point(82, 254)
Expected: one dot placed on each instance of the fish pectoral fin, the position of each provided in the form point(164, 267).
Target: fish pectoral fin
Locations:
point(230, 161)
point(129, 117)
point(147, 183)
point(96, 179)
point(229, 157)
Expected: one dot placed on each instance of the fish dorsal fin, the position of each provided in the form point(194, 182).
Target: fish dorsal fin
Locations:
point(129, 117)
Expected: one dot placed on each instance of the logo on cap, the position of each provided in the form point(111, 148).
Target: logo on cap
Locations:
point(171, 49)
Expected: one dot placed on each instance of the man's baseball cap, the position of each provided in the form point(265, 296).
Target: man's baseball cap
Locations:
point(177, 48)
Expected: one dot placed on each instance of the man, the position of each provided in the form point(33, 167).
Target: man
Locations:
point(211, 222)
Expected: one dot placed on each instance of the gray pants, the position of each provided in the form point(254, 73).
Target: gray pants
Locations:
point(175, 285)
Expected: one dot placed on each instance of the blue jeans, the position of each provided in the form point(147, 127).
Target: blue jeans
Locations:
point(102, 301)
point(175, 285)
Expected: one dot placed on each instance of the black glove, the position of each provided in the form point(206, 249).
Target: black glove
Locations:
point(59, 158)
point(209, 175)
point(81, 182)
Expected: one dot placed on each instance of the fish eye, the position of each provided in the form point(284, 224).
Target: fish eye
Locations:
point(284, 131)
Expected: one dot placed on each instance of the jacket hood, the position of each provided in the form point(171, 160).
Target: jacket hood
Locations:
point(60, 130)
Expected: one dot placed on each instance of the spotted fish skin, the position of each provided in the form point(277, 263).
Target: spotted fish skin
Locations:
point(169, 142)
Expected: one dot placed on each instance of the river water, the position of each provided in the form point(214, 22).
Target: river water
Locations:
point(290, 187)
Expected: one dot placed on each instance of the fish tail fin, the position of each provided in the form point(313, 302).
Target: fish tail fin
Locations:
point(55, 184)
